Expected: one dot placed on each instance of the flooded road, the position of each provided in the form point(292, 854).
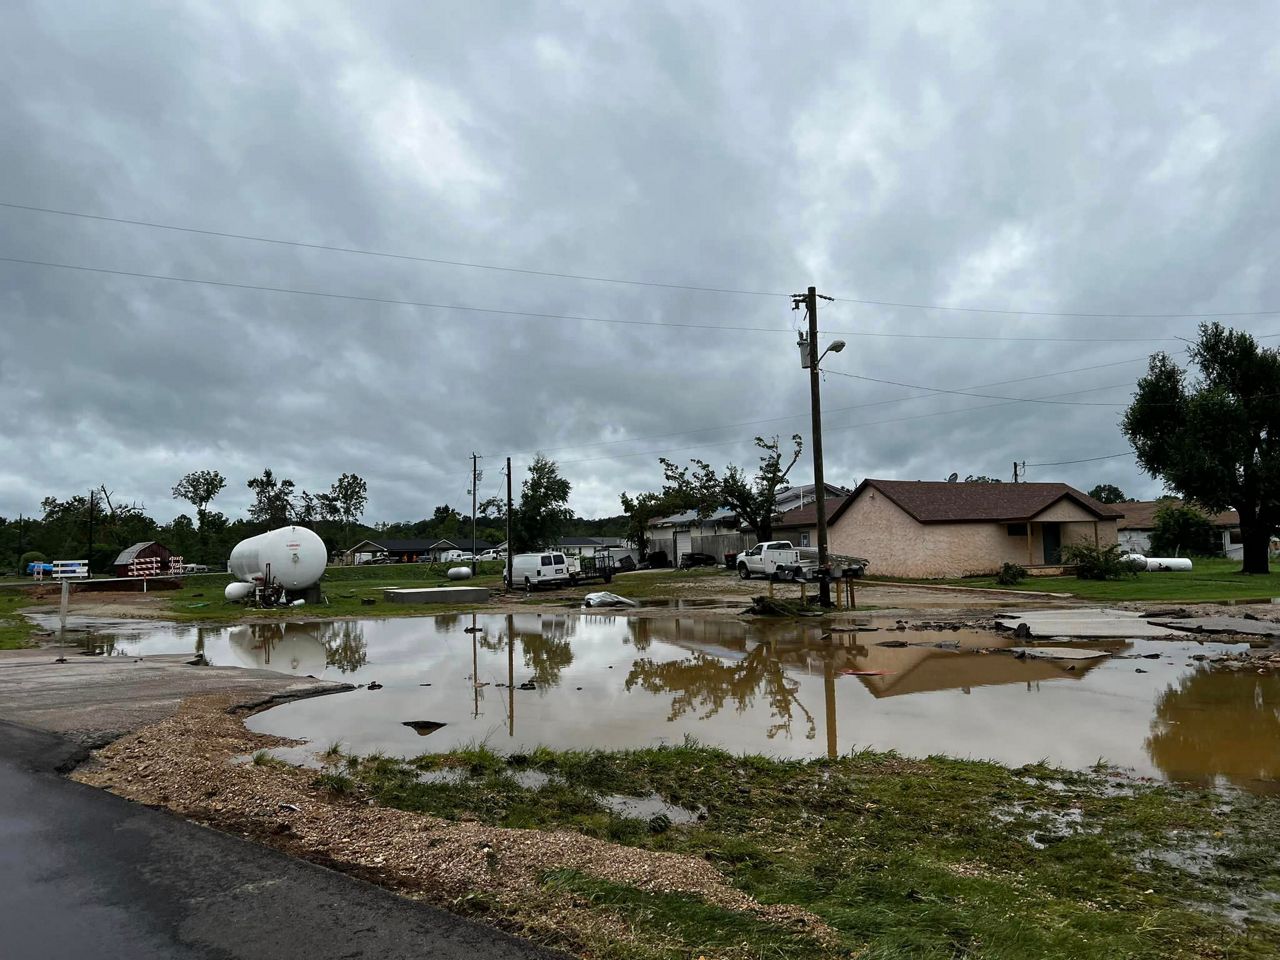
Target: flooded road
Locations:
point(783, 689)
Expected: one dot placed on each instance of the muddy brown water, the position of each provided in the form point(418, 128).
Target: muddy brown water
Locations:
point(782, 689)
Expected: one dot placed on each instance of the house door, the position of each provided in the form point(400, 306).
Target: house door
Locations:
point(684, 544)
point(1051, 534)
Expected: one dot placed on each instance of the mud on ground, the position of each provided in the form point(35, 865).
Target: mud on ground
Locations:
point(186, 763)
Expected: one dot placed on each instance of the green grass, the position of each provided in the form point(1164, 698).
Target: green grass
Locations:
point(902, 858)
point(15, 629)
point(201, 596)
point(1211, 580)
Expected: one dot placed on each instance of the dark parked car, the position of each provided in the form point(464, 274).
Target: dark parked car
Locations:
point(690, 560)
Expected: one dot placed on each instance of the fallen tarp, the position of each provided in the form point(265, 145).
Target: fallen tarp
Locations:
point(605, 599)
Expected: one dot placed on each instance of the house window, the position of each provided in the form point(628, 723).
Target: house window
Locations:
point(804, 538)
point(1017, 529)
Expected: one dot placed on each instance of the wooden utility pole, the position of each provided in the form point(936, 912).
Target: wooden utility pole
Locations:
point(810, 300)
point(474, 484)
point(89, 558)
point(510, 547)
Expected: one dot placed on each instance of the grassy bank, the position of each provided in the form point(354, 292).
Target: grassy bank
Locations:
point(1211, 581)
point(902, 858)
point(347, 588)
point(15, 629)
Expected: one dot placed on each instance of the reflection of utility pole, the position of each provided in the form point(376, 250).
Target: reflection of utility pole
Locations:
point(511, 665)
point(475, 668)
point(829, 687)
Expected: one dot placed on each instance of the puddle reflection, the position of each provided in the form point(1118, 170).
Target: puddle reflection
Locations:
point(785, 689)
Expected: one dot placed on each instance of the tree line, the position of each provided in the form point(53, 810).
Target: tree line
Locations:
point(65, 528)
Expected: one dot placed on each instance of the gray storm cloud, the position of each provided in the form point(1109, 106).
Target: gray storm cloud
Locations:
point(1036, 159)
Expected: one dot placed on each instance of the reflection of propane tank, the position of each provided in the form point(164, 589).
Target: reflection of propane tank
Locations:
point(284, 647)
point(295, 554)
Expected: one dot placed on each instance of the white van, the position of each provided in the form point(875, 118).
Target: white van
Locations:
point(455, 556)
point(536, 569)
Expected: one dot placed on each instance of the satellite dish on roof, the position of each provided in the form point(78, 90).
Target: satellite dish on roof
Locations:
point(953, 478)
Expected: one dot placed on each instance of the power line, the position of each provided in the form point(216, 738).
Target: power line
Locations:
point(389, 301)
point(333, 248)
point(1064, 314)
point(1063, 463)
point(965, 393)
point(849, 426)
point(382, 300)
point(855, 406)
point(474, 265)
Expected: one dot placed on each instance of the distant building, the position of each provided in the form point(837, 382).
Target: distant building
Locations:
point(146, 550)
point(1139, 522)
point(412, 551)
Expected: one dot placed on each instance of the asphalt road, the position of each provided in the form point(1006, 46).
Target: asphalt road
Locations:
point(85, 874)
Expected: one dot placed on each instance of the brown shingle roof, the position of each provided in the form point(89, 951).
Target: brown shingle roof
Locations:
point(807, 516)
point(1141, 515)
point(940, 502)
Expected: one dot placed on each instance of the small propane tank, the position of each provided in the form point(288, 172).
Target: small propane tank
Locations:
point(459, 573)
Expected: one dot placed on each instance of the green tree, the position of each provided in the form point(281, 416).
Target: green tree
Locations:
point(1181, 529)
point(349, 495)
point(273, 499)
point(1108, 493)
point(199, 488)
point(543, 512)
point(1216, 439)
point(753, 499)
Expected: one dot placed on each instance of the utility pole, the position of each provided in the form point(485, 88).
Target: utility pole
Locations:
point(1015, 471)
point(810, 301)
point(1019, 472)
point(509, 546)
point(474, 458)
point(89, 558)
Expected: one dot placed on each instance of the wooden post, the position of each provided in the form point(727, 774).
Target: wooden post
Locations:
point(1095, 534)
point(1030, 562)
point(62, 605)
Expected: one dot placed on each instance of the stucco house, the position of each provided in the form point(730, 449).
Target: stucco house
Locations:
point(1139, 522)
point(927, 529)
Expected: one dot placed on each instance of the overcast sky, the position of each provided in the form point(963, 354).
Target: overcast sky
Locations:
point(1038, 158)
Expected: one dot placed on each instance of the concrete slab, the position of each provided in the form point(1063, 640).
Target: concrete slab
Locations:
point(1253, 628)
point(96, 699)
point(1060, 653)
point(1087, 622)
point(436, 594)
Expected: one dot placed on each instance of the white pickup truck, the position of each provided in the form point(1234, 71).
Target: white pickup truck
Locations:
point(780, 560)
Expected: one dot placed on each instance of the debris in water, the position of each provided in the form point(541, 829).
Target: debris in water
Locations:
point(375, 685)
point(423, 727)
point(892, 643)
point(528, 685)
point(603, 598)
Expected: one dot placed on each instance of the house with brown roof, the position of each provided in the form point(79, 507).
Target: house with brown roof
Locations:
point(925, 529)
point(800, 524)
point(1139, 522)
